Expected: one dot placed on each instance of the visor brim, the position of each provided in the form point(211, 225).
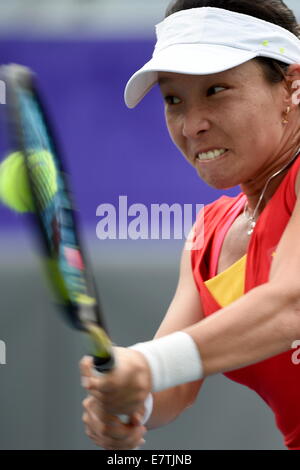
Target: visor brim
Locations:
point(189, 59)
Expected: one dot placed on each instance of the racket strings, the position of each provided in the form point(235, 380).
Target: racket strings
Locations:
point(54, 207)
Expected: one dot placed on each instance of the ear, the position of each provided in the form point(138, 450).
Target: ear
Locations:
point(293, 86)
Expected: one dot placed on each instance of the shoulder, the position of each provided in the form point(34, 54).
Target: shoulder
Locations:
point(286, 267)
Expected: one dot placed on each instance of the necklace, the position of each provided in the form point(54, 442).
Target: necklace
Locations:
point(251, 219)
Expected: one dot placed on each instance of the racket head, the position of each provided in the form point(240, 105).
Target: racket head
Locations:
point(54, 217)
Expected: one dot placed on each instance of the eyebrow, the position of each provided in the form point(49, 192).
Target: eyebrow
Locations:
point(163, 80)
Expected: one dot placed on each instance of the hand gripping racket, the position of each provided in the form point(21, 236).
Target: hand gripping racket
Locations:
point(54, 214)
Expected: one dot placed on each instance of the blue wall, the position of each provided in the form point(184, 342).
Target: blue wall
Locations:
point(110, 150)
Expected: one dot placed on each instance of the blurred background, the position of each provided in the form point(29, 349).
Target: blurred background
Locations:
point(83, 52)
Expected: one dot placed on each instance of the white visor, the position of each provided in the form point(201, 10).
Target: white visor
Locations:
point(202, 41)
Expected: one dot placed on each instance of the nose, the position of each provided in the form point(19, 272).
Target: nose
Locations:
point(195, 122)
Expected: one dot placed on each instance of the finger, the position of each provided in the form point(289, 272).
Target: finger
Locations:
point(134, 440)
point(86, 361)
point(122, 433)
point(111, 430)
point(97, 395)
point(86, 365)
point(93, 407)
point(112, 442)
point(136, 419)
point(101, 384)
point(120, 404)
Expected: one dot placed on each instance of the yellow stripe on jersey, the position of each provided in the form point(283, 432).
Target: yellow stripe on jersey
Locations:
point(228, 286)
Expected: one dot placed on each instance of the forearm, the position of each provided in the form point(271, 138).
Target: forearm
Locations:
point(261, 324)
point(170, 403)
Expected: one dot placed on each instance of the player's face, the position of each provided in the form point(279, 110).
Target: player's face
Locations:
point(236, 110)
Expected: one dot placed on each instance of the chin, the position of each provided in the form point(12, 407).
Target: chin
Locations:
point(218, 183)
point(222, 187)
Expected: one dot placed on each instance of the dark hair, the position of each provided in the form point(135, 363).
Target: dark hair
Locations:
point(273, 11)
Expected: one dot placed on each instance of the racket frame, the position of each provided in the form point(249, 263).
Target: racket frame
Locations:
point(19, 77)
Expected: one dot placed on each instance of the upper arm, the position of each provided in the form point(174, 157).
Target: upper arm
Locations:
point(285, 269)
point(185, 308)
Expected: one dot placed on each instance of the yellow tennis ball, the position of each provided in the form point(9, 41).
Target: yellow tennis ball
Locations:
point(14, 186)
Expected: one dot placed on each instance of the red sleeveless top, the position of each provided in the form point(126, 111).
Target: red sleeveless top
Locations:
point(277, 379)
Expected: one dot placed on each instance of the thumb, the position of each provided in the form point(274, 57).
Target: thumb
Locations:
point(136, 419)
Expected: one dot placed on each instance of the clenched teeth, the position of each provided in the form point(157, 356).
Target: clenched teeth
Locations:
point(211, 155)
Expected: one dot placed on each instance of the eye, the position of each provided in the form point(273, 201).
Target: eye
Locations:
point(215, 87)
point(172, 100)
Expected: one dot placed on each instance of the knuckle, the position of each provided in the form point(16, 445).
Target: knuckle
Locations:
point(84, 362)
point(85, 418)
point(86, 403)
point(81, 363)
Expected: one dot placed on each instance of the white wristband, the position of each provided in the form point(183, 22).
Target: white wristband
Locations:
point(173, 360)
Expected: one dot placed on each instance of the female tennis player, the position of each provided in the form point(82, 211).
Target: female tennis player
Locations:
point(229, 73)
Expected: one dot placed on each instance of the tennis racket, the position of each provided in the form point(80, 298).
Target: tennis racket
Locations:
point(54, 217)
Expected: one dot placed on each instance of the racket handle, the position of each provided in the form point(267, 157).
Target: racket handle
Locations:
point(124, 418)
